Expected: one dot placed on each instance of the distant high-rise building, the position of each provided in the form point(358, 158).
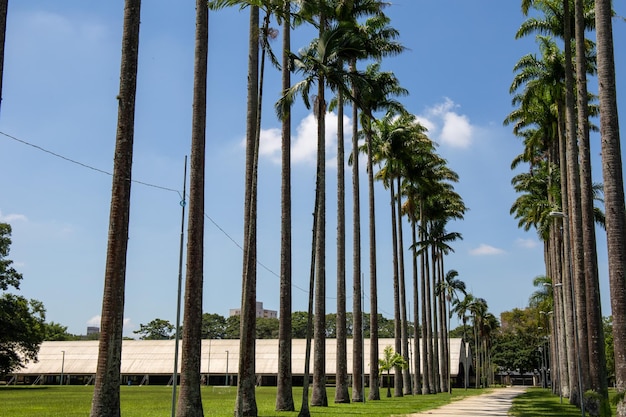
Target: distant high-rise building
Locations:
point(260, 311)
point(93, 330)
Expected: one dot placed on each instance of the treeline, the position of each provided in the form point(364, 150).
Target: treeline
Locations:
point(215, 326)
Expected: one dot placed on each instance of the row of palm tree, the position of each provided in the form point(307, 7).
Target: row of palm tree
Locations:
point(557, 194)
point(549, 119)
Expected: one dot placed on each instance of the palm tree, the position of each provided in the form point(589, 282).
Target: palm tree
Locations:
point(284, 394)
point(461, 308)
point(613, 190)
point(390, 360)
point(246, 381)
point(106, 396)
point(189, 400)
point(448, 288)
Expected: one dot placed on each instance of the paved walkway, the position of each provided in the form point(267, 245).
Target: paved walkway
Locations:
point(495, 403)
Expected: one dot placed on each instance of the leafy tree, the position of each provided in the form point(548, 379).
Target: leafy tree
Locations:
point(232, 327)
point(266, 328)
point(389, 361)
point(298, 323)
point(21, 331)
point(157, 329)
point(213, 326)
point(56, 332)
point(9, 277)
point(21, 321)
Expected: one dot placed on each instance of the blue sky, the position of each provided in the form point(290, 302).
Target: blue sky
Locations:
point(61, 79)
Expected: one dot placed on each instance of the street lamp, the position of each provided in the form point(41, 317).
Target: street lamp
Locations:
point(227, 376)
point(563, 217)
point(62, 366)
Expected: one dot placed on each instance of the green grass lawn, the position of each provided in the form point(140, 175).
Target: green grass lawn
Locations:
point(148, 401)
point(541, 402)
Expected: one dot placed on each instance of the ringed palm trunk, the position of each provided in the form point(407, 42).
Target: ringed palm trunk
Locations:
point(574, 215)
point(357, 289)
point(435, 306)
point(189, 400)
point(284, 392)
point(417, 385)
point(613, 189)
point(374, 369)
point(566, 292)
point(106, 396)
point(397, 375)
point(597, 356)
point(318, 396)
point(341, 386)
point(406, 372)
point(245, 404)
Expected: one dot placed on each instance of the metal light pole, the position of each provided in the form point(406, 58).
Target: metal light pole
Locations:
point(183, 203)
point(227, 376)
point(563, 217)
point(62, 366)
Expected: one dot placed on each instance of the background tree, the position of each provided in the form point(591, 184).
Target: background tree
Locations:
point(157, 329)
point(21, 331)
point(57, 332)
point(213, 326)
point(9, 277)
point(106, 396)
point(22, 321)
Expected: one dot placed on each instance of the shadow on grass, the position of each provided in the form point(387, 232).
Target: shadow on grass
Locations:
point(541, 402)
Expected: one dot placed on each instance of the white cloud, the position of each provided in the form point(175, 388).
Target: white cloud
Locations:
point(527, 243)
point(487, 250)
point(94, 321)
point(304, 141)
point(8, 218)
point(446, 126)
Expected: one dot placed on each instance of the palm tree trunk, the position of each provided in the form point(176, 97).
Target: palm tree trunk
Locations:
point(597, 356)
point(374, 380)
point(397, 375)
point(406, 372)
point(417, 385)
point(246, 402)
point(435, 300)
point(106, 396)
point(284, 392)
point(318, 396)
point(357, 290)
point(341, 385)
point(574, 215)
point(613, 189)
point(189, 401)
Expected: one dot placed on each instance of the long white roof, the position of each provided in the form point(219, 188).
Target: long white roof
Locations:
point(143, 357)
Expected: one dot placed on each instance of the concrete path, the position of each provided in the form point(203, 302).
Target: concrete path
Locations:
point(495, 403)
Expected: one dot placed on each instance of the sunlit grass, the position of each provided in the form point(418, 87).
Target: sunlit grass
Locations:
point(148, 401)
point(542, 402)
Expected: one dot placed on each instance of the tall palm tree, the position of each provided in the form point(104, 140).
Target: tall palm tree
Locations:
point(461, 308)
point(189, 400)
point(613, 189)
point(246, 401)
point(284, 394)
point(449, 287)
point(106, 396)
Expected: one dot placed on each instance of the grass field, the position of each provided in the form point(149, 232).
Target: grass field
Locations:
point(156, 401)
